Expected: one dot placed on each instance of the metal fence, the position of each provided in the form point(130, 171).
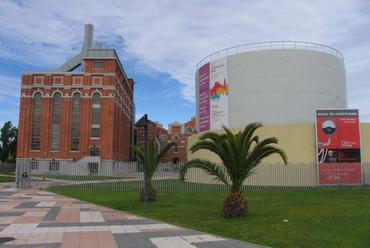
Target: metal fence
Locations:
point(7, 167)
point(129, 176)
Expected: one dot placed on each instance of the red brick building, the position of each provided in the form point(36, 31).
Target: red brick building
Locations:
point(78, 115)
point(177, 133)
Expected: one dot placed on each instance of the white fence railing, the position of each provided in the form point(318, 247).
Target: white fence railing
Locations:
point(271, 45)
point(129, 176)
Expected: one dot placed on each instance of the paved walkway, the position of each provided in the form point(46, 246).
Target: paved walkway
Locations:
point(43, 219)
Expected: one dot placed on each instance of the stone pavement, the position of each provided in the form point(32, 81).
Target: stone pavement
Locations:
point(34, 218)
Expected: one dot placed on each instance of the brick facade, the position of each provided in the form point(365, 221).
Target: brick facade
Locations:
point(177, 133)
point(116, 111)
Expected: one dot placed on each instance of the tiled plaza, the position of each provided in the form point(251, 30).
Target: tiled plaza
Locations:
point(31, 218)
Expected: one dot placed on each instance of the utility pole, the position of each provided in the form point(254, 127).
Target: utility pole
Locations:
point(143, 122)
point(145, 162)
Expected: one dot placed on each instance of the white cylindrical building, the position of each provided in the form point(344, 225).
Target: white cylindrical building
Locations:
point(275, 83)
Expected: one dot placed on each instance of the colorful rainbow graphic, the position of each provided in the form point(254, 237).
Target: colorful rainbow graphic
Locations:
point(218, 90)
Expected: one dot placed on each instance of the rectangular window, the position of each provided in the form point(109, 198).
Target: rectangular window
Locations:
point(97, 80)
point(34, 165)
point(54, 166)
point(98, 63)
point(75, 129)
point(39, 80)
point(55, 123)
point(36, 122)
point(95, 132)
point(77, 81)
point(58, 80)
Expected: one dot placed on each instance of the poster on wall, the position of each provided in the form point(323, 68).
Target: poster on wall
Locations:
point(204, 96)
point(338, 146)
point(219, 94)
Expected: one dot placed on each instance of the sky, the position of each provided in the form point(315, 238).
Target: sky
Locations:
point(160, 42)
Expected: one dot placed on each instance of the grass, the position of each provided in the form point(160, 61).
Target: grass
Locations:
point(316, 218)
point(5, 178)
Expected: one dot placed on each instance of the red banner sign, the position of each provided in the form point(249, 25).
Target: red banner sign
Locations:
point(338, 146)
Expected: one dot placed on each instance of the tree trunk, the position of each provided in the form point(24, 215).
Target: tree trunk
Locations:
point(152, 193)
point(235, 205)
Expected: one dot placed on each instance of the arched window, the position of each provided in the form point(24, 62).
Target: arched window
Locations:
point(188, 130)
point(75, 130)
point(36, 122)
point(55, 122)
point(94, 151)
point(95, 122)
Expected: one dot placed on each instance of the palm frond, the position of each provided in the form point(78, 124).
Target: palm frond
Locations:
point(209, 167)
point(163, 151)
point(139, 152)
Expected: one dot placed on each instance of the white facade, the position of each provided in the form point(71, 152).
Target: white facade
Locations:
point(282, 85)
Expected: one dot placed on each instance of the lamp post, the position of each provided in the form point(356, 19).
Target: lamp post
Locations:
point(143, 122)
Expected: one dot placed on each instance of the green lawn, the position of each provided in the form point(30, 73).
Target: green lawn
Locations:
point(316, 218)
point(6, 178)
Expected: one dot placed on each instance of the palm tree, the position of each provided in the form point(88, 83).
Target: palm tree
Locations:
point(239, 153)
point(154, 158)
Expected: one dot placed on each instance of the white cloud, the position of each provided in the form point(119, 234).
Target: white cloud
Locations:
point(172, 36)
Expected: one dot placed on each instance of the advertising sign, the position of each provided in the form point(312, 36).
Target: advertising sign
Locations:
point(204, 96)
point(219, 94)
point(338, 146)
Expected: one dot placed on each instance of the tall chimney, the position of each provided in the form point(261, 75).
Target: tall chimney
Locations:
point(88, 39)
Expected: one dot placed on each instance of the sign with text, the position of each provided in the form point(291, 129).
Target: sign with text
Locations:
point(338, 146)
point(204, 96)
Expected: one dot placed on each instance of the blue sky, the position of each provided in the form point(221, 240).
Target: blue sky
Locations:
point(160, 42)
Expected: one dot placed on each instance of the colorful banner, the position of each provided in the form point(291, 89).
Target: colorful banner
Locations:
point(204, 97)
point(338, 146)
point(219, 93)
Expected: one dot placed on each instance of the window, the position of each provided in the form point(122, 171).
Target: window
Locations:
point(54, 166)
point(55, 122)
point(36, 122)
point(39, 80)
point(75, 130)
point(58, 80)
point(163, 141)
point(98, 63)
point(94, 151)
point(95, 122)
point(34, 165)
point(77, 81)
point(97, 80)
point(188, 130)
point(93, 167)
point(175, 148)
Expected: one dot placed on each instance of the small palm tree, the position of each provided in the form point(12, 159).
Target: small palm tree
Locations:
point(154, 158)
point(239, 153)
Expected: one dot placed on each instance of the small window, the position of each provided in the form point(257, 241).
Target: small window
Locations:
point(34, 165)
point(94, 151)
point(58, 80)
point(98, 64)
point(39, 80)
point(77, 81)
point(97, 80)
point(54, 166)
point(175, 148)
